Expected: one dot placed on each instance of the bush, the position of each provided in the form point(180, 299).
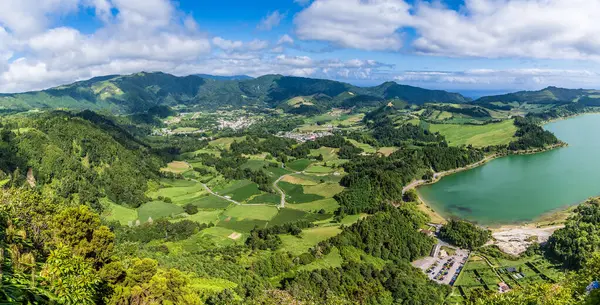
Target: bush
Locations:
point(191, 209)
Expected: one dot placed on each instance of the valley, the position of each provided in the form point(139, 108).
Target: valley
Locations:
point(284, 190)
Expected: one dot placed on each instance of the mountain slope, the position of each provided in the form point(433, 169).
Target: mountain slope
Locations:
point(141, 91)
point(550, 95)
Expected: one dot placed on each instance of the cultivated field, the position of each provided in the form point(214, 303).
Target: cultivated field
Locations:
point(477, 135)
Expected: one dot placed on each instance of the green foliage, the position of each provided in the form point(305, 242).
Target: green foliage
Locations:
point(160, 230)
point(79, 229)
point(70, 277)
point(464, 234)
point(531, 135)
point(365, 284)
point(576, 242)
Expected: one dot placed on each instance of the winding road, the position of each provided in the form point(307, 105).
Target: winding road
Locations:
point(275, 186)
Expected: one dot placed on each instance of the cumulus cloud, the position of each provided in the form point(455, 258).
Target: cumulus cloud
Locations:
point(511, 28)
point(360, 24)
point(270, 21)
point(549, 29)
point(134, 31)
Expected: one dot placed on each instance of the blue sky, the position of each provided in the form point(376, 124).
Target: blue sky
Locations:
point(470, 45)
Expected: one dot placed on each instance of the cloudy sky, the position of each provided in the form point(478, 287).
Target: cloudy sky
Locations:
point(460, 45)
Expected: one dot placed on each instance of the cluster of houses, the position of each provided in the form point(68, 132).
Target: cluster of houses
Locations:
point(303, 137)
point(237, 124)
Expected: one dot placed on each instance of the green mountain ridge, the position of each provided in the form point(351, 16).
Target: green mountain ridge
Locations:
point(549, 95)
point(141, 91)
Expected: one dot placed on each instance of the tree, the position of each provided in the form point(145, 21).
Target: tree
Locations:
point(191, 209)
point(79, 229)
point(70, 277)
point(464, 234)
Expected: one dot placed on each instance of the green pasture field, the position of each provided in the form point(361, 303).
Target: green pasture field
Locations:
point(205, 216)
point(299, 165)
point(211, 202)
point(220, 236)
point(365, 147)
point(157, 210)
point(258, 212)
point(351, 219)
point(307, 239)
point(287, 215)
point(328, 153)
point(324, 189)
point(225, 143)
point(274, 199)
point(477, 135)
point(319, 169)
point(214, 152)
point(241, 225)
point(177, 182)
point(174, 192)
point(295, 193)
point(240, 190)
point(117, 212)
point(328, 204)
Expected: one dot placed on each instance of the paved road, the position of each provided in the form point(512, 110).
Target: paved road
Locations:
point(215, 194)
point(276, 187)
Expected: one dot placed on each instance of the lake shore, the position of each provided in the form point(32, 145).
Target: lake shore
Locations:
point(550, 218)
point(439, 175)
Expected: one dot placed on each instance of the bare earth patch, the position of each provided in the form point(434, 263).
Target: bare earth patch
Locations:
point(297, 180)
point(176, 167)
point(516, 240)
point(235, 235)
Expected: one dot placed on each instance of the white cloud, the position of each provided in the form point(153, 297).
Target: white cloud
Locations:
point(297, 61)
point(151, 32)
point(27, 17)
point(237, 45)
point(227, 45)
point(360, 24)
point(285, 39)
point(270, 21)
point(511, 28)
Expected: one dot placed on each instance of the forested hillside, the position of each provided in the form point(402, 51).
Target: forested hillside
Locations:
point(80, 157)
point(139, 92)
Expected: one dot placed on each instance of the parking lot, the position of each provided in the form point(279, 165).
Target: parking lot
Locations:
point(445, 264)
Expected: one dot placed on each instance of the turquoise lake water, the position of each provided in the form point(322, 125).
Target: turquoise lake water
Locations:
point(517, 189)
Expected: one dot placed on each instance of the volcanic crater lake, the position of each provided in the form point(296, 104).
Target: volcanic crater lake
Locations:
point(517, 189)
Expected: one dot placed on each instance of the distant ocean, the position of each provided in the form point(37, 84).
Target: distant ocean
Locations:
point(475, 94)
